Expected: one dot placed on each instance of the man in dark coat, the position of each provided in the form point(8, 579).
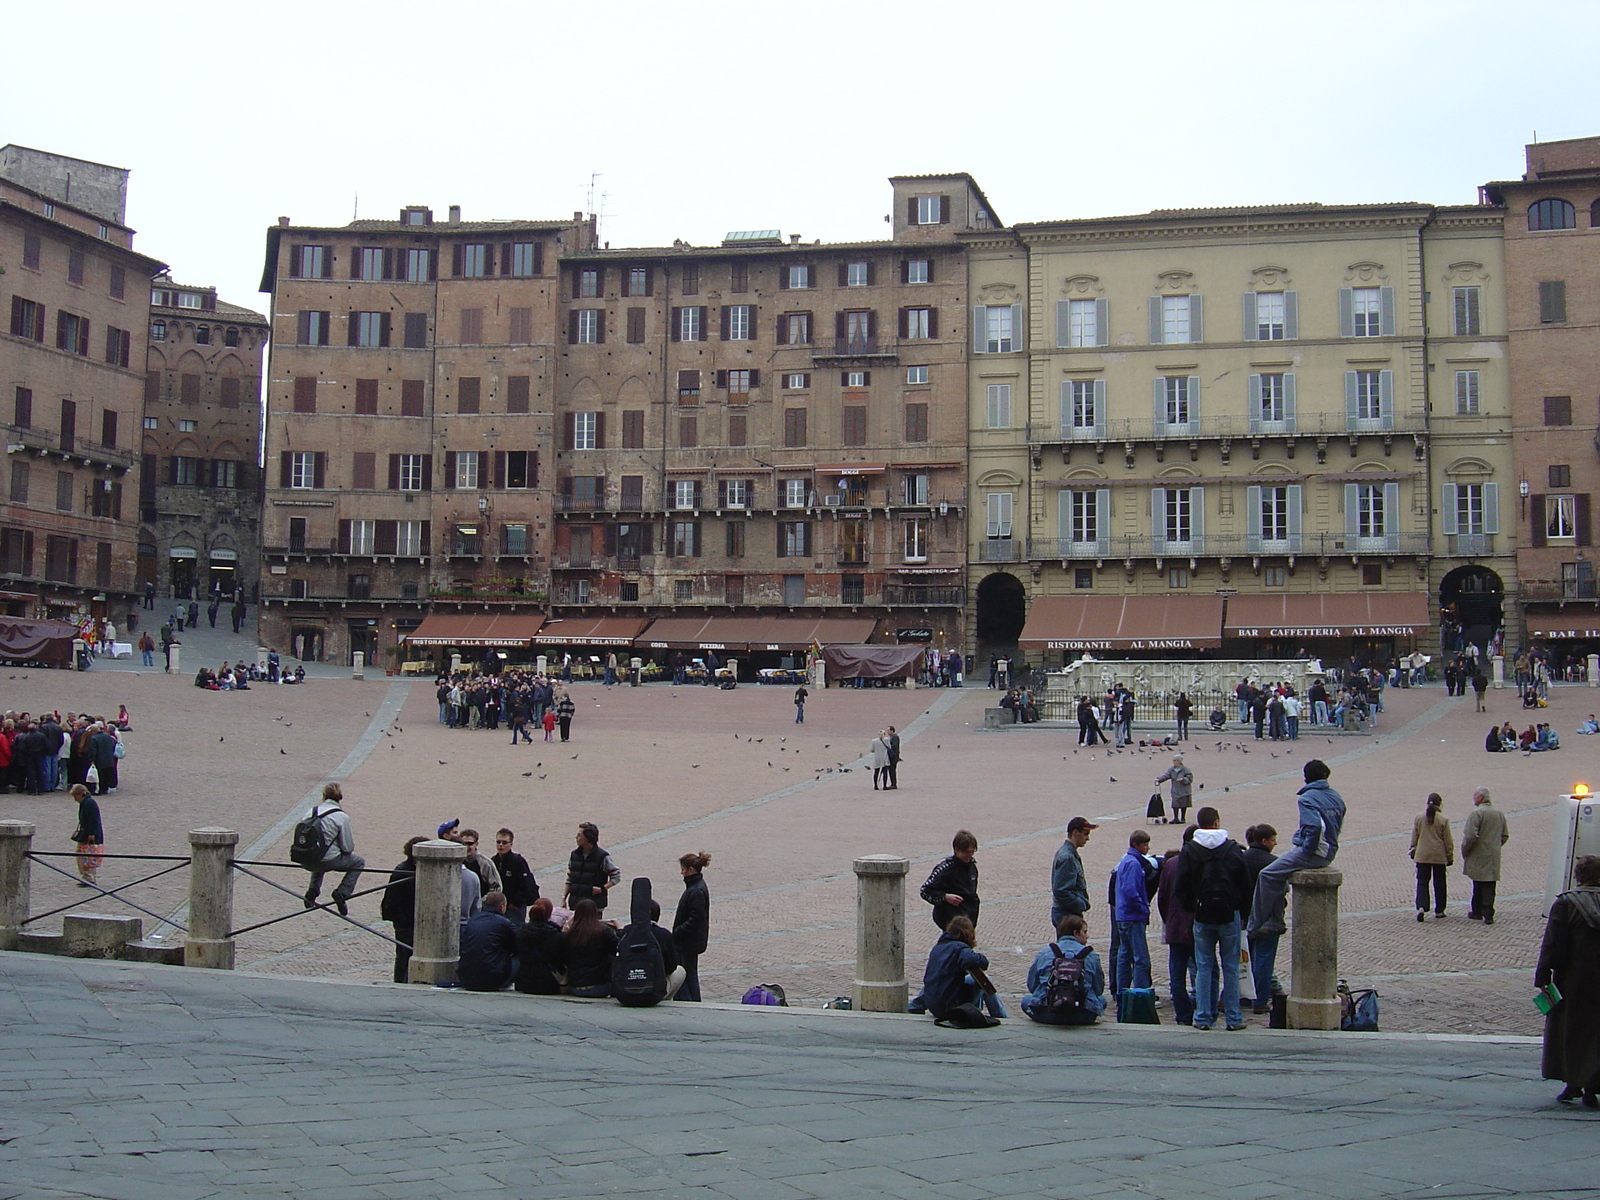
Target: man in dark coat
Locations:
point(516, 877)
point(399, 905)
point(952, 888)
point(103, 750)
point(488, 948)
point(1570, 959)
point(539, 952)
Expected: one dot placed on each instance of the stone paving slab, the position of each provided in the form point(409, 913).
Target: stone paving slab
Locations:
point(408, 1095)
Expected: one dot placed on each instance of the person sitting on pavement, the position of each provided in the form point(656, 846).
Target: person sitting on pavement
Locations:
point(488, 948)
point(589, 945)
point(1492, 742)
point(1072, 941)
point(947, 982)
point(1508, 737)
point(1546, 738)
point(669, 951)
point(1590, 726)
point(1218, 720)
point(541, 964)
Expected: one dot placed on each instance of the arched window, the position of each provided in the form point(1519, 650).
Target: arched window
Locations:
point(1594, 215)
point(1552, 214)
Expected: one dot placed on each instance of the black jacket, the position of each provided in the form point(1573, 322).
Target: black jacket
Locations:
point(585, 872)
point(539, 957)
point(1255, 858)
point(956, 878)
point(669, 952)
point(516, 879)
point(399, 903)
point(1213, 883)
point(488, 950)
point(590, 966)
point(691, 924)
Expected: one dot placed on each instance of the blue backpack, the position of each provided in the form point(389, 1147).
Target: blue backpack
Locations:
point(1358, 1009)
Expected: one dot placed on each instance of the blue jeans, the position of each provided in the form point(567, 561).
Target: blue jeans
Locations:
point(1179, 959)
point(1244, 711)
point(1294, 728)
point(1209, 941)
point(1263, 958)
point(1319, 712)
point(799, 714)
point(1266, 908)
point(149, 658)
point(1133, 964)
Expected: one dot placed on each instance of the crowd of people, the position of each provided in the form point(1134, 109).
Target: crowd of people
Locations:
point(521, 699)
point(44, 752)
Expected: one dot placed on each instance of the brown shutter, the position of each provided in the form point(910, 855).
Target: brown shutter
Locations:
point(533, 468)
point(427, 472)
point(600, 431)
point(538, 258)
point(344, 537)
point(724, 333)
point(449, 468)
point(488, 259)
point(394, 472)
point(840, 326)
point(383, 330)
point(327, 263)
point(844, 274)
point(386, 537)
point(1582, 513)
point(783, 329)
point(944, 210)
point(363, 470)
point(754, 313)
point(905, 270)
point(911, 210)
point(569, 430)
point(930, 270)
point(83, 337)
point(676, 317)
point(903, 321)
point(499, 469)
point(455, 260)
point(285, 469)
point(608, 539)
point(572, 328)
point(505, 258)
point(320, 463)
point(933, 322)
point(755, 379)
point(427, 537)
point(722, 379)
point(1537, 531)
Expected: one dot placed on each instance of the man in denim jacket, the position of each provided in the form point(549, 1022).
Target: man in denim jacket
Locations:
point(1316, 843)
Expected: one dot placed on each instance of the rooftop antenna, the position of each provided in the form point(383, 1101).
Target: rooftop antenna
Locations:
point(594, 177)
point(355, 207)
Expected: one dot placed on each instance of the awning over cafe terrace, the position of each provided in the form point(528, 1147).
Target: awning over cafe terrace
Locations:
point(590, 631)
point(1100, 623)
point(477, 629)
point(1564, 626)
point(754, 633)
point(1329, 614)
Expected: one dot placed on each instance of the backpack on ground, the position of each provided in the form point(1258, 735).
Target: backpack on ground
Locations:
point(769, 994)
point(1358, 1009)
point(311, 841)
point(1066, 991)
point(639, 973)
point(1137, 1006)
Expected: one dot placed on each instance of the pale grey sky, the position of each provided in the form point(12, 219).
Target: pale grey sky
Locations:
point(704, 117)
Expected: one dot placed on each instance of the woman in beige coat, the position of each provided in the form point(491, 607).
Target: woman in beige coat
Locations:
point(1432, 849)
point(1482, 834)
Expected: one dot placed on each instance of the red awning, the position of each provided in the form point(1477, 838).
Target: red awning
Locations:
point(1564, 626)
point(591, 631)
point(1328, 614)
point(1124, 623)
point(683, 633)
point(476, 629)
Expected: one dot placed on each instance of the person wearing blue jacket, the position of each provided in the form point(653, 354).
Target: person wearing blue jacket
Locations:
point(1132, 913)
point(945, 983)
point(1073, 940)
point(1316, 843)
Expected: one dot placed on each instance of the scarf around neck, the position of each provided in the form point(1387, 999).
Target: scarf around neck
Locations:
point(1586, 902)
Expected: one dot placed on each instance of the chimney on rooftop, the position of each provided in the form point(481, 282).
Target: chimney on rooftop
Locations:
point(284, 221)
point(794, 239)
point(455, 214)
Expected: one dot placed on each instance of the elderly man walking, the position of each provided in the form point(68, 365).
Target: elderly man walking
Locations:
point(1482, 835)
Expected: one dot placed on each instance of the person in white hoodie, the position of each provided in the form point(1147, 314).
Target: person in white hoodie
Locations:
point(1214, 884)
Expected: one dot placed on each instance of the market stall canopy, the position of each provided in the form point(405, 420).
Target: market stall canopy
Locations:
point(41, 641)
point(1564, 626)
point(477, 629)
point(872, 662)
point(1328, 614)
point(754, 633)
point(591, 631)
point(1098, 623)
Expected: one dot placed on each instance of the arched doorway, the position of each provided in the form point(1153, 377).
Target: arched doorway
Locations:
point(1002, 609)
point(1472, 597)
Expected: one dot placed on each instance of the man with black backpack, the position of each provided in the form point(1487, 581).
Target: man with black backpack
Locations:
point(1066, 984)
point(1214, 884)
point(323, 842)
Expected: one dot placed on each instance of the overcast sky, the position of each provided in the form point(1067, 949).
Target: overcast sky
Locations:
point(700, 118)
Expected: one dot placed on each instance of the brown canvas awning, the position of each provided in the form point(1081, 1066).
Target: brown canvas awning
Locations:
point(37, 641)
point(1124, 623)
point(591, 631)
point(1331, 614)
point(1564, 626)
point(476, 629)
point(754, 633)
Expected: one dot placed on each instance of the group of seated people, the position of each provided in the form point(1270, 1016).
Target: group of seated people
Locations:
point(554, 952)
point(1505, 738)
point(1532, 699)
point(227, 679)
point(955, 980)
point(1024, 708)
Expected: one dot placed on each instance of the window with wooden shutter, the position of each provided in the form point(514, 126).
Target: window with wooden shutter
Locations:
point(738, 429)
point(916, 422)
point(471, 326)
point(364, 470)
point(366, 397)
point(1552, 302)
point(635, 326)
point(632, 493)
point(688, 431)
point(468, 390)
point(305, 393)
point(853, 425)
point(416, 331)
point(521, 330)
point(739, 277)
point(689, 279)
point(411, 397)
point(794, 427)
point(518, 389)
point(385, 537)
point(633, 429)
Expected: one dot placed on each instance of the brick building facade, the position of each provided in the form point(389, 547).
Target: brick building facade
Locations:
point(75, 296)
point(200, 485)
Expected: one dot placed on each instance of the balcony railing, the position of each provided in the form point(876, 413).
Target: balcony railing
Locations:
point(852, 557)
point(1000, 550)
point(856, 347)
point(1470, 544)
point(1557, 589)
point(1223, 425)
point(569, 503)
point(913, 595)
point(1225, 546)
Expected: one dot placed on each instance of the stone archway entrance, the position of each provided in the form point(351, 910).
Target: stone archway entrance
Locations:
point(1002, 610)
point(1473, 597)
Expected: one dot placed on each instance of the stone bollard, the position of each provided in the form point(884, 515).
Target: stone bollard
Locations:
point(207, 943)
point(1314, 952)
point(358, 665)
point(80, 650)
point(1593, 662)
point(16, 839)
point(175, 655)
point(880, 983)
point(261, 660)
point(436, 940)
point(455, 665)
point(1499, 668)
